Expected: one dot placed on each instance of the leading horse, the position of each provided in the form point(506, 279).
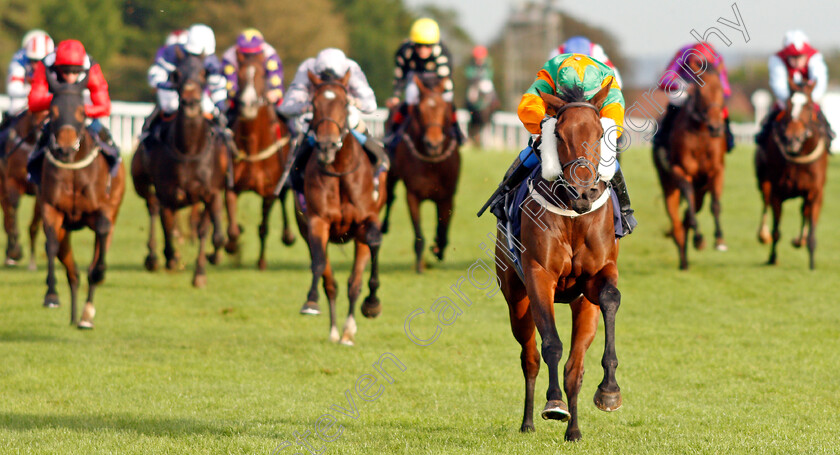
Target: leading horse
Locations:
point(428, 161)
point(694, 162)
point(791, 163)
point(339, 204)
point(567, 256)
point(77, 190)
point(262, 141)
point(185, 166)
point(13, 184)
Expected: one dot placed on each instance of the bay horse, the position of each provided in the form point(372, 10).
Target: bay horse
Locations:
point(427, 159)
point(338, 205)
point(567, 256)
point(694, 163)
point(263, 147)
point(792, 163)
point(77, 190)
point(481, 111)
point(13, 184)
point(185, 167)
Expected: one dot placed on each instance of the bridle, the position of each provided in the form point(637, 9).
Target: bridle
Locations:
point(344, 130)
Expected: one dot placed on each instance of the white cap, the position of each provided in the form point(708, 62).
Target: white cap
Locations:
point(30, 34)
point(177, 37)
point(38, 45)
point(795, 37)
point(200, 40)
point(332, 60)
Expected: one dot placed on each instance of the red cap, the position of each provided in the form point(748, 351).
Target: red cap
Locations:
point(479, 52)
point(70, 53)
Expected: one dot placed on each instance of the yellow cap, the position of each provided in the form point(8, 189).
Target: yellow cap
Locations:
point(425, 31)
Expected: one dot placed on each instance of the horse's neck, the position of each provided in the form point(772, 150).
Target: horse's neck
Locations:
point(348, 155)
point(189, 133)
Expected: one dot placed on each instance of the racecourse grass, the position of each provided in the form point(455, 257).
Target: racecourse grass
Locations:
point(732, 356)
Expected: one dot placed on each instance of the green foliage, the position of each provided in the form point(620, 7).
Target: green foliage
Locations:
point(96, 23)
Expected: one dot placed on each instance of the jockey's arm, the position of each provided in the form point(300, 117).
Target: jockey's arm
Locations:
point(400, 74)
point(274, 78)
point(531, 108)
point(778, 78)
point(16, 87)
point(229, 70)
point(724, 78)
point(297, 101)
point(158, 74)
point(360, 91)
point(216, 83)
point(818, 72)
point(98, 87)
point(39, 95)
point(444, 71)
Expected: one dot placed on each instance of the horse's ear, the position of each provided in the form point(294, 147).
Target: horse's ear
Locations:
point(346, 78)
point(420, 85)
point(54, 111)
point(179, 53)
point(792, 85)
point(601, 96)
point(80, 114)
point(240, 58)
point(313, 78)
point(808, 88)
point(551, 101)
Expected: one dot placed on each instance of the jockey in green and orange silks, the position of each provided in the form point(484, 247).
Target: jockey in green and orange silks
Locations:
point(561, 72)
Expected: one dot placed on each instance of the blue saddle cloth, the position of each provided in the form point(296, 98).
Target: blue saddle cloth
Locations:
point(513, 210)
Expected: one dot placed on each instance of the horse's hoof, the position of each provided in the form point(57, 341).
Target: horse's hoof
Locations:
point(312, 309)
point(572, 435)
point(262, 264)
point(173, 265)
point(371, 307)
point(199, 281)
point(797, 243)
point(214, 258)
point(15, 253)
point(684, 266)
point(85, 325)
point(232, 247)
point(556, 410)
point(51, 301)
point(527, 428)
point(151, 263)
point(437, 252)
point(288, 238)
point(347, 342)
point(333, 333)
point(10, 262)
point(699, 242)
point(721, 247)
point(607, 401)
point(764, 236)
point(32, 266)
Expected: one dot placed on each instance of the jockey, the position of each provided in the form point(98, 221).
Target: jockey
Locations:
point(563, 71)
point(251, 42)
point(479, 74)
point(422, 53)
point(35, 45)
point(582, 45)
point(178, 36)
point(676, 87)
point(331, 64)
point(201, 41)
point(798, 61)
point(70, 63)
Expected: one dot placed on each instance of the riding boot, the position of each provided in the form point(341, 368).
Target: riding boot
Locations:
point(375, 148)
point(766, 126)
point(394, 127)
point(830, 134)
point(456, 128)
point(150, 122)
point(730, 139)
point(660, 138)
point(516, 173)
point(107, 144)
point(628, 221)
point(299, 164)
point(35, 162)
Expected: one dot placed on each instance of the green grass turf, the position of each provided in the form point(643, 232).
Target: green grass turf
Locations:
point(730, 357)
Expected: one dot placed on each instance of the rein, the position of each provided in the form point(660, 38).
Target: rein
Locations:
point(427, 158)
point(74, 165)
point(264, 154)
point(543, 202)
point(807, 159)
point(183, 157)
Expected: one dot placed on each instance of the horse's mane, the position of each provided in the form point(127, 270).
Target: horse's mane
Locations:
point(572, 94)
point(429, 80)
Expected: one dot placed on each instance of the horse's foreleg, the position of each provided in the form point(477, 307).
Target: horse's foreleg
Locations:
point(584, 326)
point(608, 396)
point(678, 232)
point(153, 206)
point(96, 273)
point(10, 201)
point(54, 233)
point(813, 217)
point(802, 238)
point(167, 221)
point(690, 219)
point(318, 235)
point(776, 204)
point(717, 193)
point(354, 289)
point(200, 275)
point(390, 185)
point(371, 307)
point(524, 330)
point(34, 226)
point(234, 230)
point(763, 231)
point(65, 255)
point(540, 286)
point(419, 242)
point(267, 203)
point(218, 228)
point(444, 213)
point(288, 235)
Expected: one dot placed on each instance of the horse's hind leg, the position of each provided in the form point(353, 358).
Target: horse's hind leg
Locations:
point(672, 205)
point(717, 193)
point(763, 231)
point(584, 326)
point(524, 330)
point(444, 212)
point(267, 203)
point(54, 232)
point(371, 307)
point(318, 236)
point(288, 235)
point(331, 290)
point(354, 289)
point(34, 226)
point(153, 206)
point(96, 273)
point(167, 221)
point(813, 217)
point(218, 228)
point(11, 201)
point(234, 229)
point(391, 184)
point(200, 275)
point(419, 241)
point(776, 204)
point(802, 239)
point(608, 396)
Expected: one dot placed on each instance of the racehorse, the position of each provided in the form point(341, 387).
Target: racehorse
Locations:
point(77, 190)
point(339, 205)
point(263, 146)
point(13, 184)
point(185, 166)
point(428, 161)
point(567, 256)
point(694, 162)
point(792, 163)
point(481, 110)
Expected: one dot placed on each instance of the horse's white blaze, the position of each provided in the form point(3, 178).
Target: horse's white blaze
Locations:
point(329, 94)
point(799, 100)
point(551, 168)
